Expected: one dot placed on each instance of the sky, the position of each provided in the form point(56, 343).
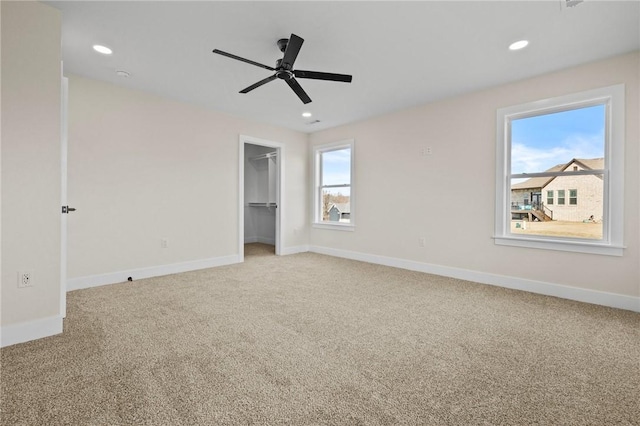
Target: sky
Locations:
point(541, 142)
point(336, 169)
point(336, 166)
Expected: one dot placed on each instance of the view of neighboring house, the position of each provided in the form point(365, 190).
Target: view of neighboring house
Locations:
point(567, 198)
point(340, 212)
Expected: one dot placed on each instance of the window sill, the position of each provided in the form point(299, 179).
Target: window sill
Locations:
point(578, 246)
point(334, 226)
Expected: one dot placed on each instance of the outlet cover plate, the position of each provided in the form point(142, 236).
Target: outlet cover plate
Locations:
point(25, 279)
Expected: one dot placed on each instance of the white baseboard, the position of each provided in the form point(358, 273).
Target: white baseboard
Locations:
point(263, 240)
point(294, 250)
point(13, 334)
point(153, 271)
point(595, 297)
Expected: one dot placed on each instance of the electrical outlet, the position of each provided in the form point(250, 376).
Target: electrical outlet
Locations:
point(422, 242)
point(25, 279)
point(425, 150)
point(164, 243)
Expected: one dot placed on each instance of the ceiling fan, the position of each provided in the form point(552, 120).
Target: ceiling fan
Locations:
point(284, 68)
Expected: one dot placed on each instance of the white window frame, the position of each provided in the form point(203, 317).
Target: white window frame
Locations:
point(562, 195)
point(613, 173)
point(316, 220)
point(570, 197)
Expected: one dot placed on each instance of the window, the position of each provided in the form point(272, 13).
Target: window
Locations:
point(574, 141)
point(334, 200)
point(573, 197)
point(560, 197)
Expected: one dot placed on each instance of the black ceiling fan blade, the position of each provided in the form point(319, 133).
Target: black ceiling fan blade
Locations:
point(323, 76)
point(258, 84)
point(299, 90)
point(292, 50)
point(248, 61)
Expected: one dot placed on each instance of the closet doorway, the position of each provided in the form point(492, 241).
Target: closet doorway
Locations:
point(260, 194)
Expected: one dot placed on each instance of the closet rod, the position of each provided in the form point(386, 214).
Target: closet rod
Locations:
point(273, 204)
point(264, 156)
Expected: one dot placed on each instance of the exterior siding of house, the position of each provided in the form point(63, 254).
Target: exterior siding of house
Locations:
point(589, 200)
point(589, 190)
point(519, 196)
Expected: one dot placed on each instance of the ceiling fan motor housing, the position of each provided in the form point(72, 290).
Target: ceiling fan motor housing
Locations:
point(282, 72)
point(282, 44)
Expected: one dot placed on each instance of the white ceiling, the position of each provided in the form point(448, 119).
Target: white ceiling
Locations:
point(400, 54)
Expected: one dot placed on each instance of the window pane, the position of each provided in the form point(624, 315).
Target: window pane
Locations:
point(336, 205)
point(573, 197)
point(336, 167)
point(570, 220)
point(560, 196)
point(549, 142)
point(564, 141)
point(333, 204)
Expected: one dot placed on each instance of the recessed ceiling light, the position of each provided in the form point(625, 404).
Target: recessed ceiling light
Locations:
point(306, 114)
point(102, 49)
point(519, 45)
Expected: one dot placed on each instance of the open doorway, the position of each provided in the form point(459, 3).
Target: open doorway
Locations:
point(260, 188)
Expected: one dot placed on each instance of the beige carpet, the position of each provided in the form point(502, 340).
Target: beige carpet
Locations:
point(310, 340)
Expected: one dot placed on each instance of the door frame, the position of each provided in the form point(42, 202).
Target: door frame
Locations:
point(280, 198)
point(64, 135)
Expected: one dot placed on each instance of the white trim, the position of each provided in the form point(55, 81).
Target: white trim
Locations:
point(613, 300)
point(334, 226)
point(613, 210)
point(64, 143)
point(241, 199)
point(270, 241)
point(150, 272)
point(26, 331)
point(280, 192)
point(581, 246)
point(316, 221)
point(295, 250)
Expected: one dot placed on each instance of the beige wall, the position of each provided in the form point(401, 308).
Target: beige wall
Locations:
point(142, 168)
point(449, 196)
point(30, 160)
